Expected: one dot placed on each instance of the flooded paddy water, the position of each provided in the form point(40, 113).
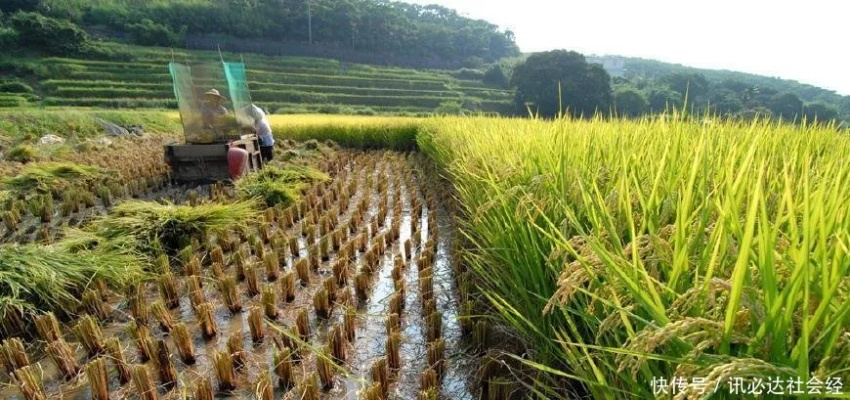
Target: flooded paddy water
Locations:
point(373, 316)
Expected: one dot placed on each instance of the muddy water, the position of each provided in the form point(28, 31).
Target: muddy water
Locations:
point(371, 336)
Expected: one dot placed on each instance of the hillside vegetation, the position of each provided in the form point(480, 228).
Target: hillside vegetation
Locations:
point(280, 84)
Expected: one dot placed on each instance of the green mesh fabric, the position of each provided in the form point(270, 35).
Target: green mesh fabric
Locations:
point(202, 120)
point(240, 94)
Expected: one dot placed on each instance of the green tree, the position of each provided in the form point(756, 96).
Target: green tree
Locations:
point(820, 112)
point(786, 106)
point(662, 99)
point(11, 6)
point(629, 102)
point(495, 76)
point(584, 88)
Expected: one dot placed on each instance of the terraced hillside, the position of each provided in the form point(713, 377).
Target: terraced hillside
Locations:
point(283, 84)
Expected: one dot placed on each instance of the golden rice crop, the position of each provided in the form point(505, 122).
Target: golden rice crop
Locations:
point(635, 236)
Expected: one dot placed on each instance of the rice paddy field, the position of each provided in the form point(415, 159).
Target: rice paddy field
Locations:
point(450, 258)
point(280, 84)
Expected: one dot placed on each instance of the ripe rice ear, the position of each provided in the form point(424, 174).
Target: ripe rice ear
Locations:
point(308, 388)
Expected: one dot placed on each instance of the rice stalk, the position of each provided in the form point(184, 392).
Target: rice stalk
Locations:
point(287, 286)
point(394, 351)
point(337, 343)
point(256, 325)
point(144, 342)
point(143, 383)
point(272, 264)
point(263, 389)
point(436, 356)
point(116, 355)
point(308, 388)
point(269, 301)
point(434, 326)
point(48, 327)
point(428, 380)
point(361, 285)
point(283, 367)
point(64, 358)
point(229, 294)
point(350, 324)
point(224, 373)
point(204, 389)
point(89, 334)
point(341, 270)
point(302, 325)
point(302, 267)
point(98, 379)
point(325, 368)
point(13, 355)
point(184, 343)
point(29, 382)
point(380, 375)
point(168, 290)
point(373, 392)
point(252, 281)
point(206, 320)
point(167, 372)
point(163, 316)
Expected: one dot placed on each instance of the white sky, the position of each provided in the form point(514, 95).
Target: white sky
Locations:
point(807, 41)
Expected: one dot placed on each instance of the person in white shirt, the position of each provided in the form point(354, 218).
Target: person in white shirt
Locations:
point(264, 131)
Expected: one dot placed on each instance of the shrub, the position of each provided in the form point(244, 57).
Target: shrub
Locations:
point(495, 76)
point(366, 111)
point(50, 34)
point(149, 33)
point(329, 109)
point(12, 101)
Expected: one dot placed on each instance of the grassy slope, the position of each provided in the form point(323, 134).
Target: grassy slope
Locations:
point(288, 84)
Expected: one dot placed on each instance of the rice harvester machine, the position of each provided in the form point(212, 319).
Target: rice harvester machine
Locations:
point(216, 113)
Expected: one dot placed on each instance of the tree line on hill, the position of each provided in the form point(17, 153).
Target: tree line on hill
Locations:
point(379, 26)
point(561, 81)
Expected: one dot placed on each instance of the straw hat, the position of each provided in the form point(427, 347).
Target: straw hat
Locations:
point(213, 94)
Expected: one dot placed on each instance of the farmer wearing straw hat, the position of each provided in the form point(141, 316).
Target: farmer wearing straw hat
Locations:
point(212, 108)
